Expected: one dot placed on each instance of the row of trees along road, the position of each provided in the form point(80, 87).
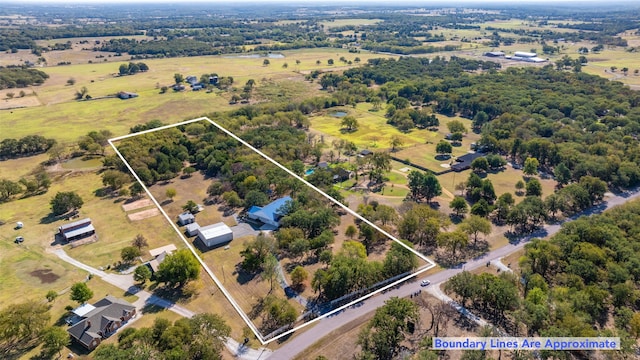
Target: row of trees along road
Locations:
point(592, 277)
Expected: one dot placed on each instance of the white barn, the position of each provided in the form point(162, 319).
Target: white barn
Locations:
point(215, 234)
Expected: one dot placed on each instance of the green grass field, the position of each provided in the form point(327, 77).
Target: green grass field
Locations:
point(374, 132)
point(59, 111)
point(503, 181)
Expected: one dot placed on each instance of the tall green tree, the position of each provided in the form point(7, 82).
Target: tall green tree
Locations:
point(54, 339)
point(64, 202)
point(382, 337)
point(453, 241)
point(459, 205)
point(178, 268)
point(423, 186)
point(80, 292)
point(142, 274)
point(531, 166)
point(474, 226)
point(349, 122)
point(444, 147)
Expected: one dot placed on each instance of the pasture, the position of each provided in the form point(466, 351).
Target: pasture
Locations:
point(59, 110)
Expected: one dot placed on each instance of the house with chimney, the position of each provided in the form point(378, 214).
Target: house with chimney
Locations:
point(99, 321)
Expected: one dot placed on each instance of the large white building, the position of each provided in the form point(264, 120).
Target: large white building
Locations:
point(215, 234)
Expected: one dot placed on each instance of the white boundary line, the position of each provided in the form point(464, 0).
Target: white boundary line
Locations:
point(235, 305)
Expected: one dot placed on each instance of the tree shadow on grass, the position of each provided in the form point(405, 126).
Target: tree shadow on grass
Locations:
point(152, 309)
point(243, 277)
point(171, 294)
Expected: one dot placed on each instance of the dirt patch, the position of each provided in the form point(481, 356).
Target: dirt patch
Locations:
point(143, 214)
point(137, 205)
point(46, 276)
point(17, 101)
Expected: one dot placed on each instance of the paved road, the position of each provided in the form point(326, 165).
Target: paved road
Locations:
point(300, 342)
point(126, 282)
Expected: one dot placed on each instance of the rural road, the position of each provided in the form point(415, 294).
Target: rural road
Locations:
point(126, 282)
point(325, 326)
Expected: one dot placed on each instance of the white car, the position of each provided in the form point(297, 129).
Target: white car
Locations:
point(425, 283)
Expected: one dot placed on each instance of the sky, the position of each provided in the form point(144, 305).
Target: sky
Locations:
point(320, 2)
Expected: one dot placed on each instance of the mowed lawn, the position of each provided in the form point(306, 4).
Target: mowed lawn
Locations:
point(503, 182)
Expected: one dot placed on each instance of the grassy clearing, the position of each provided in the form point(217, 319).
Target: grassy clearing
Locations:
point(246, 289)
point(14, 169)
point(374, 132)
point(503, 181)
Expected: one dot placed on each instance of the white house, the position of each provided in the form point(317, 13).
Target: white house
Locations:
point(186, 218)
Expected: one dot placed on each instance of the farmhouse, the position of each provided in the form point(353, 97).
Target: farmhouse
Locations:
point(269, 214)
point(159, 254)
point(464, 162)
point(215, 234)
point(186, 218)
point(163, 249)
point(340, 174)
point(77, 230)
point(127, 95)
point(100, 320)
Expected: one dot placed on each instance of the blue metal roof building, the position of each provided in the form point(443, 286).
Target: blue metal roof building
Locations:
point(269, 214)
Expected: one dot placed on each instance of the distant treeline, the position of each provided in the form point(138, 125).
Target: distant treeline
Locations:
point(598, 37)
point(28, 145)
point(408, 50)
point(19, 77)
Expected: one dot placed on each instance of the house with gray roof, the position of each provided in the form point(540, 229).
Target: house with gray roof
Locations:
point(186, 218)
point(107, 316)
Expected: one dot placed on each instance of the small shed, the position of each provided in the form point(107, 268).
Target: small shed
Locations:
point(186, 218)
point(215, 234)
point(192, 229)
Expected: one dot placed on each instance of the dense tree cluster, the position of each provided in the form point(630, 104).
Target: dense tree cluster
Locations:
point(26, 146)
point(491, 294)
point(21, 77)
point(349, 271)
point(391, 324)
point(21, 325)
point(132, 68)
point(581, 282)
point(199, 337)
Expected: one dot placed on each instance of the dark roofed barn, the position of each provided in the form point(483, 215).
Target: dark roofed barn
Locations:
point(464, 162)
point(77, 230)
